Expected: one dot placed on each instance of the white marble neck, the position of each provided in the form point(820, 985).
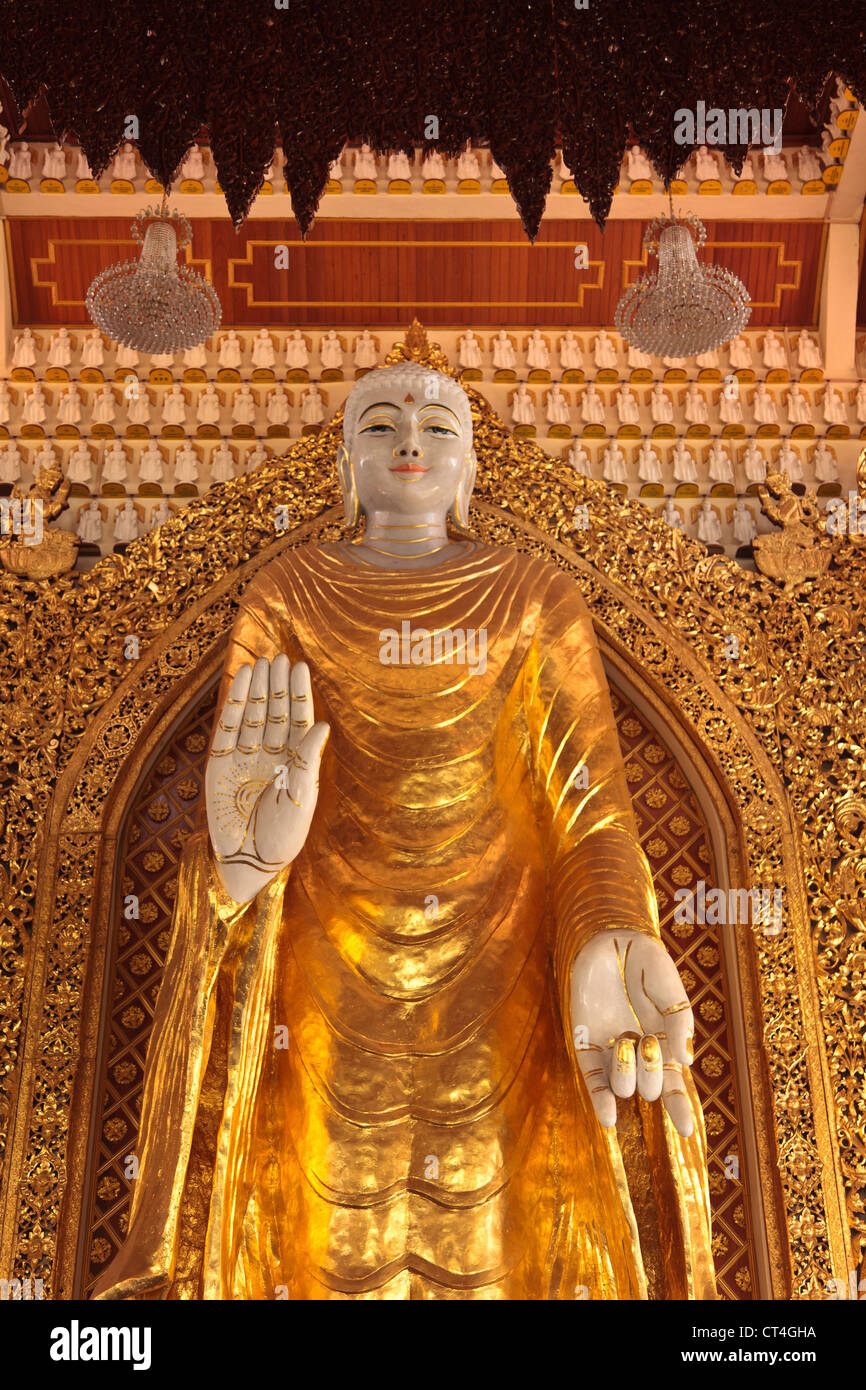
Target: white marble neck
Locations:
point(394, 539)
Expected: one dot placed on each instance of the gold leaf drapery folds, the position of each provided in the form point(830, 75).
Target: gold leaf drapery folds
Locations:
point(780, 730)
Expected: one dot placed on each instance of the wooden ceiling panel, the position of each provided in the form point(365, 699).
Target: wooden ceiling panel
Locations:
point(448, 273)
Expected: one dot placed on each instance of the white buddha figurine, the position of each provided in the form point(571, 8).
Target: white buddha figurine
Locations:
point(207, 411)
point(808, 351)
point(335, 169)
point(860, 403)
point(709, 526)
point(764, 406)
point(747, 171)
point(556, 405)
point(163, 360)
point(706, 164)
point(636, 358)
point(54, 162)
point(161, 513)
point(365, 164)
point(60, 349)
point(82, 167)
point(661, 406)
point(774, 165)
point(24, 349)
point(706, 360)
point(798, 407)
point(592, 406)
point(255, 456)
point(684, 464)
point(719, 463)
point(45, 458)
point(824, 463)
point(196, 357)
point(126, 356)
point(562, 170)
point(174, 406)
point(278, 407)
point(469, 350)
point(244, 406)
point(637, 164)
point(787, 461)
point(193, 166)
point(230, 350)
point(468, 166)
point(604, 350)
point(570, 352)
point(808, 164)
point(522, 407)
point(4, 143)
point(754, 463)
point(263, 350)
point(312, 407)
point(20, 164)
point(331, 352)
point(11, 463)
point(186, 464)
point(79, 465)
point(834, 407)
point(743, 523)
point(649, 465)
point(89, 524)
point(69, 406)
point(124, 166)
point(504, 356)
point(126, 524)
point(5, 403)
point(151, 465)
point(730, 406)
point(672, 516)
point(365, 352)
point(613, 464)
point(93, 349)
point(580, 460)
point(34, 411)
point(627, 407)
point(695, 407)
point(740, 352)
point(399, 167)
point(137, 407)
point(676, 361)
point(537, 352)
point(222, 463)
point(297, 353)
point(115, 464)
point(433, 166)
point(773, 350)
point(104, 408)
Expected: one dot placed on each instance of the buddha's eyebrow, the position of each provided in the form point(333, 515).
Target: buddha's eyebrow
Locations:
point(390, 405)
point(437, 405)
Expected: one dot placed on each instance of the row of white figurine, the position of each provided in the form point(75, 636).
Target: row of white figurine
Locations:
point(365, 351)
point(102, 403)
point(398, 167)
point(79, 465)
point(647, 461)
point(707, 522)
point(230, 351)
point(693, 404)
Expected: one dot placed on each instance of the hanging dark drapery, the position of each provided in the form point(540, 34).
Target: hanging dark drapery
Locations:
point(520, 75)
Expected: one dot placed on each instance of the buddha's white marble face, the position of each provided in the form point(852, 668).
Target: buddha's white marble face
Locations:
point(408, 454)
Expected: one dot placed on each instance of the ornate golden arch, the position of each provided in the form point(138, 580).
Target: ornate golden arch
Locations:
point(101, 666)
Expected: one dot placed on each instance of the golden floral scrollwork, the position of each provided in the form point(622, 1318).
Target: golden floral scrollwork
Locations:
point(763, 676)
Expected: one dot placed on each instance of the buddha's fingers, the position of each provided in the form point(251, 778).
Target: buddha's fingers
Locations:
point(594, 1063)
point(306, 760)
point(623, 1069)
point(650, 1076)
point(676, 1098)
point(226, 736)
point(253, 726)
point(276, 737)
point(301, 714)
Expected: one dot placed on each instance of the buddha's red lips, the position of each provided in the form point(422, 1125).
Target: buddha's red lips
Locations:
point(410, 468)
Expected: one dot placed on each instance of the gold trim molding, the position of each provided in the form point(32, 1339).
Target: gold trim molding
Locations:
point(782, 730)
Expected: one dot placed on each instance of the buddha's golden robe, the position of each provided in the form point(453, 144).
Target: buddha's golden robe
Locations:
point(425, 1132)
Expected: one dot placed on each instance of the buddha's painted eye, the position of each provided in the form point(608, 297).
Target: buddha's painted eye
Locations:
point(378, 429)
point(442, 429)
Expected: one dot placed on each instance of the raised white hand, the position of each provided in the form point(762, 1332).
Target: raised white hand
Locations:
point(262, 778)
point(632, 1024)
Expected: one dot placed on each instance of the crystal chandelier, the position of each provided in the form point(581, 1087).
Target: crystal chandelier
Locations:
point(683, 308)
point(153, 304)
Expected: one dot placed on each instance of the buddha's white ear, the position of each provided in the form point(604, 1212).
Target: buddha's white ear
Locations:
point(464, 491)
point(351, 505)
